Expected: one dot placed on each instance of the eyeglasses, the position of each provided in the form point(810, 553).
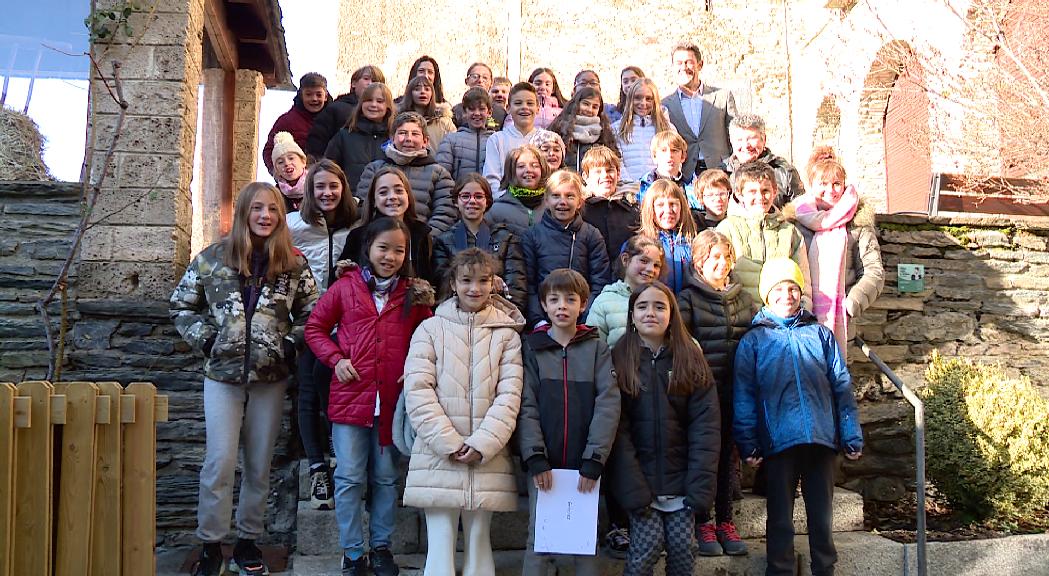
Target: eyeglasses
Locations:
point(475, 197)
point(589, 83)
point(715, 194)
point(475, 77)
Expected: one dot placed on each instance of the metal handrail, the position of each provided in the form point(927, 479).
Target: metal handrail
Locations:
point(919, 447)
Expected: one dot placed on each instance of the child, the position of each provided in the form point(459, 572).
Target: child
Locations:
point(319, 230)
point(462, 385)
point(641, 121)
point(569, 407)
point(761, 233)
point(336, 114)
point(845, 261)
point(419, 98)
point(479, 75)
point(520, 203)
point(431, 184)
point(427, 67)
point(714, 188)
point(561, 239)
point(376, 308)
point(361, 141)
point(589, 78)
point(582, 124)
point(551, 145)
point(500, 92)
point(548, 94)
point(664, 218)
point(627, 77)
point(610, 205)
point(521, 112)
point(664, 461)
point(289, 169)
point(473, 198)
point(252, 277)
point(717, 312)
point(640, 263)
point(462, 152)
point(669, 151)
point(390, 195)
point(793, 420)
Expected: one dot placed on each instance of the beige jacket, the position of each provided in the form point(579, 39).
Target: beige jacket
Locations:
point(462, 382)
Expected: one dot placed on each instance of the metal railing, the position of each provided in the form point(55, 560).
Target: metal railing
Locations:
point(919, 448)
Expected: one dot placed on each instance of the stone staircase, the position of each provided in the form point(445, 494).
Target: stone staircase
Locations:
point(318, 552)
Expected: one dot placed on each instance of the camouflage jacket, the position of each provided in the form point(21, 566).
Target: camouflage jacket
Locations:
point(207, 307)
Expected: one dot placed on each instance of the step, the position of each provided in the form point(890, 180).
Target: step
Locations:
point(750, 514)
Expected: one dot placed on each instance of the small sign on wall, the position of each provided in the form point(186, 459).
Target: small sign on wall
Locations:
point(910, 278)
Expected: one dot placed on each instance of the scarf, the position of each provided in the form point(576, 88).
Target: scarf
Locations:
point(827, 254)
point(587, 129)
point(295, 191)
point(380, 286)
point(527, 196)
point(404, 158)
point(482, 240)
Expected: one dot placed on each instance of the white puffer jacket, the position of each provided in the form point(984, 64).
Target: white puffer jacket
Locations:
point(462, 382)
point(320, 248)
point(637, 154)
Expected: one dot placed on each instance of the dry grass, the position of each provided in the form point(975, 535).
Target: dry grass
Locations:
point(21, 148)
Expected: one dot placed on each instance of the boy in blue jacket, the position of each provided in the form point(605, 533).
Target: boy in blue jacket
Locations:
point(795, 410)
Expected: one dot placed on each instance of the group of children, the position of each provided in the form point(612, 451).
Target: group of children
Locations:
point(658, 395)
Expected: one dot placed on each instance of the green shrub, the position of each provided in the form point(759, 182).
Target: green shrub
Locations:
point(987, 440)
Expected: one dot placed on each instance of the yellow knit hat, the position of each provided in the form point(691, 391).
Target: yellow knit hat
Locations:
point(775, 271)
point(284, 142)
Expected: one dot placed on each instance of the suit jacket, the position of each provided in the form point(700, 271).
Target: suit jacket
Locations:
point(719, 108)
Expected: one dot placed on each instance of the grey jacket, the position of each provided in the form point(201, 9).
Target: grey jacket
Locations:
point(719, 108)
point(462, 151)
point(431, 185)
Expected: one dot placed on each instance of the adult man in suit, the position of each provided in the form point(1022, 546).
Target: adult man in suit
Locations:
point(700, 112)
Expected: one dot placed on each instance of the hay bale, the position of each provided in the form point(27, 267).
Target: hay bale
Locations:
point(21, 148)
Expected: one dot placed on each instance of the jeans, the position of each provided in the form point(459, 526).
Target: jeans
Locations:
point(314, 380)
point(227, 408)
point(361, 460)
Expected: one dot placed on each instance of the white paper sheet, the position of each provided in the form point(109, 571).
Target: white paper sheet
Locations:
point(566, 519)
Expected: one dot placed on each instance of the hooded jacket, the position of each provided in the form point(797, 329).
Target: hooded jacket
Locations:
point(298, 121)
point(608, 313)
point(462, 151)
point(788, 182)
point(757, 240)
point(497, 147)
point(207, 308)
point(320, 245)
point(792, 387)
point(668, 444)
point(376, 343)
point(677, 259)
point(497, 240)
point(431, 185)
point(570, 404)
point(549, 245)
point(717, 319)
point(617, 217)
point(508, 210)
point(462, 383)
point(328, 122)
point(352, 151)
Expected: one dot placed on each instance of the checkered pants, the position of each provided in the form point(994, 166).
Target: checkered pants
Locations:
point(651, 531)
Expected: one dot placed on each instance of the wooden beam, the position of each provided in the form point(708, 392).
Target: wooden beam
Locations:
point(222, 40)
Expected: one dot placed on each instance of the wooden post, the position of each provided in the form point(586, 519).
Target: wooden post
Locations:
point(77, 479)
point(140, 481)
point(33, 453)
point(106, 516)
point(7, 471)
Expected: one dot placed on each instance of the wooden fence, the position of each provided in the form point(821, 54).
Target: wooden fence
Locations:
point(78, 478)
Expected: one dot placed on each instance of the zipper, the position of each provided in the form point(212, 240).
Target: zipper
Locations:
point(477, 151)
point(247, 331)
point(564, 390)
point(658, 420)
point(470, 394)
point(331, 246)
point(792, 344)
point(571, 253)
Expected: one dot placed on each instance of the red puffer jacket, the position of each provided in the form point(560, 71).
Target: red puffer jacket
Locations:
point(375, 342)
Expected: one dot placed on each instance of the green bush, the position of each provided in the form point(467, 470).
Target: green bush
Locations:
point(987, 440)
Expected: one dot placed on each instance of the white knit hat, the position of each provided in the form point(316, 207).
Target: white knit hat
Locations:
point(283, 142)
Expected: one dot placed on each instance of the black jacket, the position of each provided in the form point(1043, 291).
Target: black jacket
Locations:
point(328, 122)
point(570, 404)
point(420, 252)
point(497, 240)
point(617, 218)
point(667, 445)
point(352, 151)
point(717, 320)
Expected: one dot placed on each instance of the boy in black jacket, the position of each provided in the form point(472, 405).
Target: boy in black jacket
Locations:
point(569, 406)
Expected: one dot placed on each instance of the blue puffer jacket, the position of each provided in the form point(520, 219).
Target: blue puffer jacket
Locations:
point(792, 387)
point(677, 255)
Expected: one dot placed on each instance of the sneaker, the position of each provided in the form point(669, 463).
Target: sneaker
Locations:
point(382, 562)
point(729, 539)
point(211, 561)
point(247, 559)
point(358, 567)
point(617, 542)
point(321, 493)
point(707, 539)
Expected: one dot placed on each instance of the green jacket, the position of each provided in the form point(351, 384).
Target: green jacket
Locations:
point(608, 313)
point(208, 311)
point(756, 241)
